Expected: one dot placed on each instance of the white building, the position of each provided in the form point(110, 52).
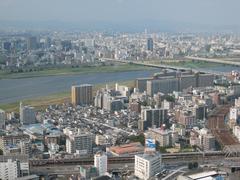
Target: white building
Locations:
point(80, 143)
point(147, 165)
point(9, 170)
point(2, 119)
point(100, 162)
point(236, 132)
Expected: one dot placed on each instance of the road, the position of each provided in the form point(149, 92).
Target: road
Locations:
point(170, 176)
point(214, 60)
point(177, 68)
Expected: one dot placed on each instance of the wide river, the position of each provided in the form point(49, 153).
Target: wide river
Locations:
point(12, 90)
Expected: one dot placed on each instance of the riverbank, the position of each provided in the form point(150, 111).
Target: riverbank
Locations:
point(72, 71)
point(40, 103)
point(184, 63)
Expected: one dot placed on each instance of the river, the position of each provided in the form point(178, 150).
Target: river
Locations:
point(12, 90)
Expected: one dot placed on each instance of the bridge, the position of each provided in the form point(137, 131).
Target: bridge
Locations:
point(163, 66)
point(226, 62)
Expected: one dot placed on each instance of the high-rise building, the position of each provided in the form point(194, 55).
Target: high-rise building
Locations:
point(10, 169)
point(100, 162)
point(82, 94)
point(27, 115)
point(209, 142)
point(150, 44)
point(32, 43)
point(164, 85)
point(147, 165)
point(152, 118)
point(2, 119)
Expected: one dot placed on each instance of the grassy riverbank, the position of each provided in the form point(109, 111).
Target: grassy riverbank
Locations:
point(72, 71)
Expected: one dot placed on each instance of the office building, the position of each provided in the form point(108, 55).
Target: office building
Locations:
point(152, 118)
point(150, 44)
point(147, 165)
point(82, 95)
point(27, 115)
point(101, 163)
point(2, 119)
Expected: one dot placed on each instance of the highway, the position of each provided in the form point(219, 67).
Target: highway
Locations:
point(170, 176)
point(214, 60)
point(162, 66)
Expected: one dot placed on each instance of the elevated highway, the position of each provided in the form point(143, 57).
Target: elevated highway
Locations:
point(162, 66)
point(219, 61)
point(129, 159)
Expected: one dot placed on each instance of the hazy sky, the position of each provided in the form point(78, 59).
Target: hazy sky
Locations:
point(198, 12)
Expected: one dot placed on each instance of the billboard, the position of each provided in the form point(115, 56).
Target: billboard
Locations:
point(150, 145)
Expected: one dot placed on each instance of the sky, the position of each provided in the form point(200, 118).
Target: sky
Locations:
point(129, 13)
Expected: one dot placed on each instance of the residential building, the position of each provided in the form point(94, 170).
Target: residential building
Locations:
point(101, 163)
point(82, 95)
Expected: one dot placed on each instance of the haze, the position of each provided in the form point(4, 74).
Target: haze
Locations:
point(140, 13)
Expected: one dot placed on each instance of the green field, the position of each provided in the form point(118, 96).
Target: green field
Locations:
point(41, 103)
point(73, 71)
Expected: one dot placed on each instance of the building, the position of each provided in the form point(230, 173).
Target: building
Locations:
point(32, 43)
point(12, 167)
point(164, 85)
point(82, 95)
point(9, 170)
point(101, 163)
point(2, 119)
point(27, 115)
point(12, 140)
point(209, 142)
point(126, 149)
point(152, 118)
point(147, 165)
point(88, 172)
point(163, 137)
point(80, 143)
point(150, 44)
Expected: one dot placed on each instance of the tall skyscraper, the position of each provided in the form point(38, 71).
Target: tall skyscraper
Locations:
point(152, 118)
point(150, 44)
point(32, 43)
point(27, 115)
point(2, 119)
point(82, 94)
point(100, 162)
